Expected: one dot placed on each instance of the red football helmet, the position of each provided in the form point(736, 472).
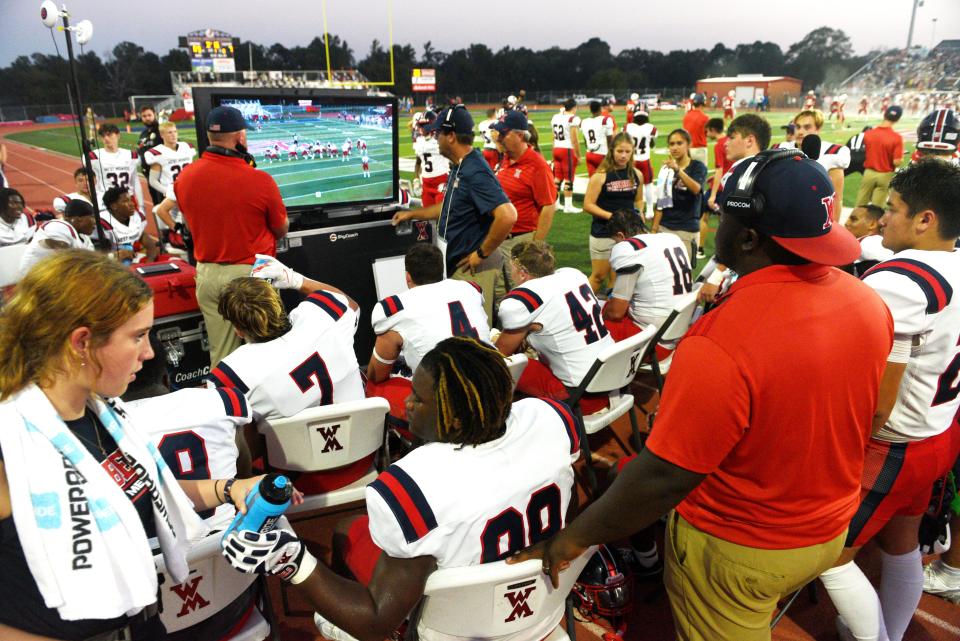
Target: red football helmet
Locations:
point(605, 586)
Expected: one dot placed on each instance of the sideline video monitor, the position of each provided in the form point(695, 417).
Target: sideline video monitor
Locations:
point(325, 150)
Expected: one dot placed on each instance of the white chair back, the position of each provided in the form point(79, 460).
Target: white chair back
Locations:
point(516, 364)
point(326, 437)
point(495, 599)
point(620, 361)
point(10, 257)
point(681, 317)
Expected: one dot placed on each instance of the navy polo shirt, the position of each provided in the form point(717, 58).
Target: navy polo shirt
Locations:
point(471, 195)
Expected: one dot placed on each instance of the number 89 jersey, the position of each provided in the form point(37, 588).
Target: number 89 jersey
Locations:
point(312, 364)
point(920, 289)
point(572, 332)
point(664, 274)
point(466, 505)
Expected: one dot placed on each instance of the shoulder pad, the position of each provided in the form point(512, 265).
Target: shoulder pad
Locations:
point(391, 305)
point(406, 500)
point(934, 286)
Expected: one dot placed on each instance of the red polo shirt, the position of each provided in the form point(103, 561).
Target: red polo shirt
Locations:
point(528, 183)
point(782, 441)
point(229, 207)
point(720, 162)
point(695, 122)
point(883, 145)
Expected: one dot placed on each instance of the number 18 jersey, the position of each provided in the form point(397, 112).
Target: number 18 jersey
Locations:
point(572, 332)
point(664, 274)
point(312, 364)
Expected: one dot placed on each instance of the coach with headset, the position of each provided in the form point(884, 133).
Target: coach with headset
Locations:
point(234, 212)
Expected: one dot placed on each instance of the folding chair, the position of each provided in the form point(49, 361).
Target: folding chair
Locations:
point(495, 599)
point(672, 329)
point(211, 586)
point(10, 263)
point(612, 373)
point(327, 438)
point(516, 364)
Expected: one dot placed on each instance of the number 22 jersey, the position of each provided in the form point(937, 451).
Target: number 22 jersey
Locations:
point(312, 364)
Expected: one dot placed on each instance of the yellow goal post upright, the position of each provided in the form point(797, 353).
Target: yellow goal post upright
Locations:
point(351, 83)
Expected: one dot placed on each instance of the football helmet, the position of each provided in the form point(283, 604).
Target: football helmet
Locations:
point(939, 131)
point(732, 93)
point(605, 586)
point(634, 97)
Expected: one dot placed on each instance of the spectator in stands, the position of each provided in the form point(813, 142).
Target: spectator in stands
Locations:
point(527, 181)
point(475, 216)
point(695, 122)
point(679, 193)
point(234, 212)
point(617, 184)
point(149, 138)
point(744, 531)
point(73, 232)
point(884, 148)
point(16, 225)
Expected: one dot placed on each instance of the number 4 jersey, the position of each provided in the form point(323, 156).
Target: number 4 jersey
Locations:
point(312, 364)
point(466, 505)
point(658, 268)
point(572, 332)
point(920, 288)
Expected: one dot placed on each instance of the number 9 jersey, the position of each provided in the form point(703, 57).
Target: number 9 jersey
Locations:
point(572, 332)
point(312, 364)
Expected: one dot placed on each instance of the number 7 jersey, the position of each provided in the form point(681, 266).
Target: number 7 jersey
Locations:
point(572, 332)
point(312, 364)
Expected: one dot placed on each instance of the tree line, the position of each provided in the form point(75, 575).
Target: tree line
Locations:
point(823, 56)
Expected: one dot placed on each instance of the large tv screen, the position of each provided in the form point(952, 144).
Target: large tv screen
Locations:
point(324, 151)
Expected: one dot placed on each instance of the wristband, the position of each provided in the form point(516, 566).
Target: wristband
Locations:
point(227, 487)
point(381, 359)
point(307, 565)
point(480, 253)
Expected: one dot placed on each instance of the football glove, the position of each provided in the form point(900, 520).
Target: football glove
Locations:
point(279, 552)
point(272, 270)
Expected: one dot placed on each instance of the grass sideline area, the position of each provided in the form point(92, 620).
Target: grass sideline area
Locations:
point(569, 235)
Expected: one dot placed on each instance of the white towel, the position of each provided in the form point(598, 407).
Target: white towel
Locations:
point(665, 188)
point(82, 537)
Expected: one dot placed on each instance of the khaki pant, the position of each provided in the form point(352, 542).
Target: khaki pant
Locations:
point(505, 248)
point(211, 280)
point(874, 188)
point(699, 153)
point(490, 280)
point(721, 591)
point(690, 240)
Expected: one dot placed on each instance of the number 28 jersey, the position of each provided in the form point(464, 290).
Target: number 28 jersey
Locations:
point(572, 332)
point(664, 274)
point(312, 364)
point(427, 314)
point(920, 289)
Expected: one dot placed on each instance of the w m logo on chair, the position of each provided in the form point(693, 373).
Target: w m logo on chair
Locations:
point(518, 601)
point(192, 599)
point(329, 434)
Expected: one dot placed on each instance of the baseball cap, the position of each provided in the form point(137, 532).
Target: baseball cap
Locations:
point(698, 99)
point(893, 113)
point(797, 198)
point(511, 120)
point(452, 119)
point(225, 120)
point(789, 128)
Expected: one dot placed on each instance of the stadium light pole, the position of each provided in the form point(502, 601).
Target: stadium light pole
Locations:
point(913, 20)
point(49, 15)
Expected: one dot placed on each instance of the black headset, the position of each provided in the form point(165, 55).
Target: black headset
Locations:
point(743, 202)
point(232, 153)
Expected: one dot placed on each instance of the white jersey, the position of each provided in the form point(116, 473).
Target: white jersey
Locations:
point(116, 169)
point(484, 129)
point(171, 161)
point(195, 430)
point(872, 249)
point(572, 333)
point(595, 132)
point(56, 230)
point(20, 232)
point(427, 314)
point(645, 136)
point(561, 124)
point(664, 274)
point(123, 233)
point(833, 155)
point(312, 364)
point(918, 287)
point(432, 164)
point(467, 505)
point(60, 202)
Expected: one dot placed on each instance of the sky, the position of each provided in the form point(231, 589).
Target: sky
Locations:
point(536, 24)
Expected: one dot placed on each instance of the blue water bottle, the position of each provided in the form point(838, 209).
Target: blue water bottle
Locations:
point(266, 503)
point(127, 247)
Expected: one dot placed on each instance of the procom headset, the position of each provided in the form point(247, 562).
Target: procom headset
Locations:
point(239, 152)
point(743, 202)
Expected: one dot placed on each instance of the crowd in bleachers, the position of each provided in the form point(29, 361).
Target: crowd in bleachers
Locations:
point(909, 70)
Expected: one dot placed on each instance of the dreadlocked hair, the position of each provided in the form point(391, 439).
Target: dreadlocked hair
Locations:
point(473, 388)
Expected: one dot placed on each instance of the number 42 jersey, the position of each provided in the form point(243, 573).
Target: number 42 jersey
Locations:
point(312, 364)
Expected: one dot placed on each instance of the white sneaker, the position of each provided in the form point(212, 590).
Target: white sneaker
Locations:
point(330, 631)
point(571, 210)
point(937, 582)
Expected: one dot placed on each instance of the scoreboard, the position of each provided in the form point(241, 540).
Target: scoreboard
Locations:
point(211, 50)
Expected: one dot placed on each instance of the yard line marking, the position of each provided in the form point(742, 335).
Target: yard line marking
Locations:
point(15, 168)
point(940, 623)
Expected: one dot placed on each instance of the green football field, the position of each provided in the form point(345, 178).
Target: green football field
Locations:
point(569, 234)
